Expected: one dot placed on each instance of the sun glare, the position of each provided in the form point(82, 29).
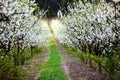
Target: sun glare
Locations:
point(56, 25)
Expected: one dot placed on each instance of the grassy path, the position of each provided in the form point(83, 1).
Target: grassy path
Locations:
point(52, 69)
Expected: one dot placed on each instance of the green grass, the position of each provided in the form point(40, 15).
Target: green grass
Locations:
point(52, 70)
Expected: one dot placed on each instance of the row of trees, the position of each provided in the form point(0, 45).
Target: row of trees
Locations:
point(21, 33)
point(95, 30)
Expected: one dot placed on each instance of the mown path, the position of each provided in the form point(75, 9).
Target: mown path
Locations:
point(52, 69)
point(54, 63)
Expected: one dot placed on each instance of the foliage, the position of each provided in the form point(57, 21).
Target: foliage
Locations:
point(52, 6)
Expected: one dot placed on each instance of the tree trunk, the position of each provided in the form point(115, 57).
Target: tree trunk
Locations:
point(100, 71)
point(31, 51)
point(16, 57)
point(90, 62)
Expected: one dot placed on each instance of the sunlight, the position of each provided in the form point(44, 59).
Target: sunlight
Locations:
point(44, 23)
point(56, 25)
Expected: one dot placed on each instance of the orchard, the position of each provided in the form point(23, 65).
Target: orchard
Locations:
point(87, 30)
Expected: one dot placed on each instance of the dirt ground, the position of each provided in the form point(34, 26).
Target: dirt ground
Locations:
point(35, 64)
point(75, 69)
